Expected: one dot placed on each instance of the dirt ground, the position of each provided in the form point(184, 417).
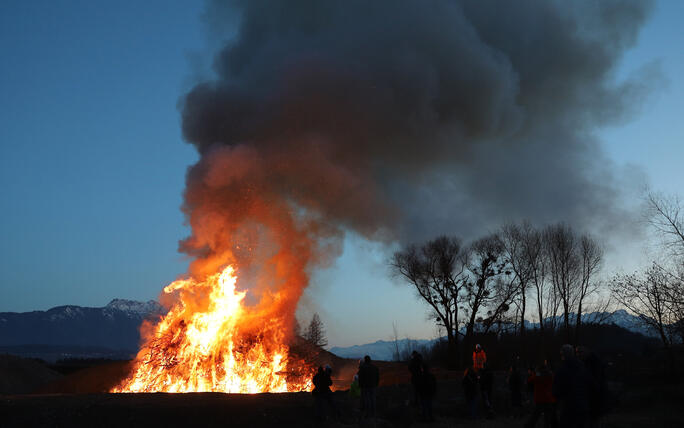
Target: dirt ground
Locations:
point(634, 406)
point(80, 399)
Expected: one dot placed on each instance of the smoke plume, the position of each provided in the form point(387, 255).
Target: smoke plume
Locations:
point(398, 120)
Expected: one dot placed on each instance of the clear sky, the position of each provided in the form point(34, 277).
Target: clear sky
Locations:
point(92, 161)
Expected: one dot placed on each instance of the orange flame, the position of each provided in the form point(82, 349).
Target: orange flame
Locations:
point(226, 347)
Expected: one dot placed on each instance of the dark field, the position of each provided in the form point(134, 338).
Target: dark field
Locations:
point(640, 399)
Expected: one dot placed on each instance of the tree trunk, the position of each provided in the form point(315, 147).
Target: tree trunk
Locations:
point(566, 322)
point(452, 346)
point(540, 310)
point(578, 324)
point(522, 315)
point(669, 352)
point(454, 331)
point(470, 329)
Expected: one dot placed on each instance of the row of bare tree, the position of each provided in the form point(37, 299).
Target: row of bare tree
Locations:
point(487, 284)
point(656, 294)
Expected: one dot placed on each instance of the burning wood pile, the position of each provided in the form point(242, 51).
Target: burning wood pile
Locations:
point(224, 347)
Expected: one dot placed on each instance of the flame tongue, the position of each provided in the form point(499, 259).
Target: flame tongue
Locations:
point(215, 349)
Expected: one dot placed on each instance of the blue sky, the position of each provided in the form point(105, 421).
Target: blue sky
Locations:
point(92, 161)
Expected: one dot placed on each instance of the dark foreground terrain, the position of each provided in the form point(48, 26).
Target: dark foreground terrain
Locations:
point(74, 395)
point(634, 406)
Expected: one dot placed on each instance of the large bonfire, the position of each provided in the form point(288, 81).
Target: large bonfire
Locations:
point(226, 347)
point(231, 319)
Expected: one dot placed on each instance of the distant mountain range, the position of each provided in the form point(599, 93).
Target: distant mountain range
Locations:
point(620, 318)
point(72, 331)
point(384, 350)
point(112, 331)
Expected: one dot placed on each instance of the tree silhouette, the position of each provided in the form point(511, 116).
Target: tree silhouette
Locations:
point(436, 271)
point(646, 294)
point(315, 332)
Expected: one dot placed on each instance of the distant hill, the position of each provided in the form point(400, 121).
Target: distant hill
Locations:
point(112, 332)
point(21, 376)
point(381, 350)
point(52, 353)
point(384, 350)
point(72, 331)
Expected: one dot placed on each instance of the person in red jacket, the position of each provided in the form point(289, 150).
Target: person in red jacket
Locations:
point(479, 358)
point(544, 401)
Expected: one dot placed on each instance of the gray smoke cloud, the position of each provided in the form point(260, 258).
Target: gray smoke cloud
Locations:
point(402, 119)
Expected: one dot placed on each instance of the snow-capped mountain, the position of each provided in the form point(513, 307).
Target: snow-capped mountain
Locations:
point(380, 350)
point(114, 326)
point(624, 319)
point(620, 318)
point(134, 307)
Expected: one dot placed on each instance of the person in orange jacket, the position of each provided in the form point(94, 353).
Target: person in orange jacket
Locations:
point(479, 358)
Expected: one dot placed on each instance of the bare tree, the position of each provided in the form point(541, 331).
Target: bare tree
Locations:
point(520, 248)
point(527, 251)
point(486, 262)
point(665, 214)
point(315, 332)
point(503, 290)
point(574, 262)
point(564, 267)
point(536, 258)
point(436, 272)
point(591, 258)
point(552, 306)
point(674, 295)
point(646, 294)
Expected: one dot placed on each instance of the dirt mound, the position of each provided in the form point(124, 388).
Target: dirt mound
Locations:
point(22, 375)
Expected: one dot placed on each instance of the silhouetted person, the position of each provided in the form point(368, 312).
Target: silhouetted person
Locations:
point(322, 393)
point(544, 402)
point(529, 390)
point(470, 383)
point(354, 389)
point(356, 376)
point(479, 358)
point(572, 385)
point(515, 389)
point(598, 391)
point(369, 377)
point(427, 388)
point(486, 386)
point(415, 367)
